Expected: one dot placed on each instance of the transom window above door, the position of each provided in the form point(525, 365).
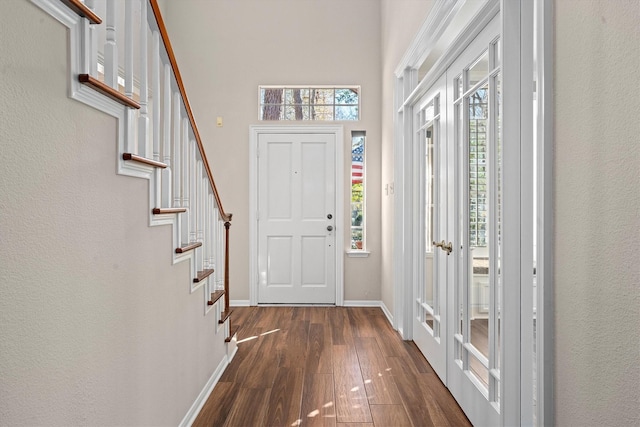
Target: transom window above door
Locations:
point(304, 103)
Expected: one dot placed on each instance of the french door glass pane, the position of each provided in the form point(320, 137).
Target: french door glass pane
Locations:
point(458, 294)
point(498, 273)
point(429, 188)
point(430, 292)
point(479, 370)
point(479, 254)
point(478, 70)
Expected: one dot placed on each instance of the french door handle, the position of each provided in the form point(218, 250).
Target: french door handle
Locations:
point(448, 247)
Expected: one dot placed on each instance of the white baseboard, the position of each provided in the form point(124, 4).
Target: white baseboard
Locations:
point(387, 313)
point(193, 412)
point(370, 303)
point(239, 303)
point(362, 303)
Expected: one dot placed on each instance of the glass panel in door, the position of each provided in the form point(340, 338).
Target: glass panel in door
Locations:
point(474, 376)
point(430, 274)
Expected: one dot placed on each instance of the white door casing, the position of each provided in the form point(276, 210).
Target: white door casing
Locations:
point(295, 185)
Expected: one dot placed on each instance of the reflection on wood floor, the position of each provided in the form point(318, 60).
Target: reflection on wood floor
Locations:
point(329, 366)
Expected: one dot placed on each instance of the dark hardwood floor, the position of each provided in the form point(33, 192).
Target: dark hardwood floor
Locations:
point(326, 366)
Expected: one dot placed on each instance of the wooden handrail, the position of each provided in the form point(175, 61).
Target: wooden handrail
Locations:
point(78, 7)
point(174, 65)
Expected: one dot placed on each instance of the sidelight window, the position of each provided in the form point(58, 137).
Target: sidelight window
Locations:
point(357, 190)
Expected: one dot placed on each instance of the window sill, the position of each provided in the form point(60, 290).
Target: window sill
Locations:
point(358, 254)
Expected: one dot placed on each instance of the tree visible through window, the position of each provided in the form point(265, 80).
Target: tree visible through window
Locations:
point(309, 103)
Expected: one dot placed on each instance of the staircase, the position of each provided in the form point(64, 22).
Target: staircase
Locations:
point(122, 63)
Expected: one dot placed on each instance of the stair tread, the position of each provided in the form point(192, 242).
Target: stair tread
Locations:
point(215, 296)
point(225, 315)
point(188, 247)
point(232, 332)
point(161, 211)
point(144, 160)
point(107, 90)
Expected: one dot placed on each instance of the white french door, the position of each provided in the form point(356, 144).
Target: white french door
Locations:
point(495, 175)
point(296, 218)
point(473, 98)
point(431, 252)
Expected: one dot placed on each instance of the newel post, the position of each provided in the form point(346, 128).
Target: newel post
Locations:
point(227, 225)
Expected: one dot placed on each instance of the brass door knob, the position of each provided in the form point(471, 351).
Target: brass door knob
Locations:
point(448, 247)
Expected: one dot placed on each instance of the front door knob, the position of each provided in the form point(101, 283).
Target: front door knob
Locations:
point(330, 227)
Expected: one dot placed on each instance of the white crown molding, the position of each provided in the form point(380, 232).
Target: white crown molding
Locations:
point(436, 23)
point(471, 30)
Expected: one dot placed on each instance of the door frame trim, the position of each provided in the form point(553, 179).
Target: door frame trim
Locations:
point(254, 133)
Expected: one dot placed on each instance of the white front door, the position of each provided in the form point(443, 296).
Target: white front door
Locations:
point(296, 218)
point(431, 263)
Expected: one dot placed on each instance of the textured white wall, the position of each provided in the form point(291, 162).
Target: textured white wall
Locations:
point(597, 212)
point(96, 326)
point(225, 49)
point(401, 20)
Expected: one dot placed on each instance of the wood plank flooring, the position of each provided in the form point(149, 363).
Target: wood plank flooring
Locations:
point(326, 366)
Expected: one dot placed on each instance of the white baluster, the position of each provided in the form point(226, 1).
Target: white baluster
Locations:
point(185, 180)
point(143, 119)
point(211, 220)
point(202, 235)
point(129, 36)
point(220, 252)
point(201, 204)
point(195, 192)
point(206, 229)
point(216, 237)
point(155, 87)
point(193, 214)
point(128, 48)
point(177, 150)
point(111, 47)
point(89, 45)
point(155, 99)
point(212, 228)
point(166, 138)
